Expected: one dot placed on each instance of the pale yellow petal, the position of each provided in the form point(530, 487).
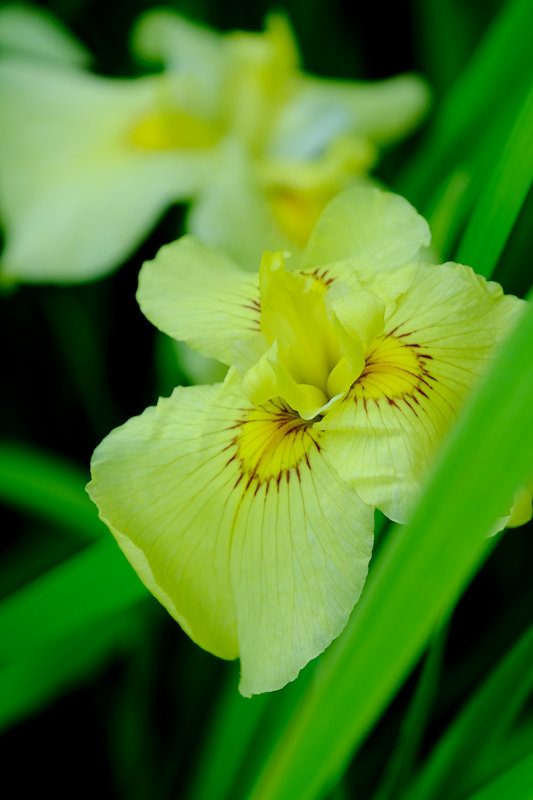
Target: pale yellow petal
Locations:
point(233, 212)
point(299, 574)
point(162, 35)
point(196, 294)
point(442, 335)
point(157, 483)
point(382, 110)
point(31, 32)
point(373, 229)
point(238, 525)
point(259, 68)
point(76, 194)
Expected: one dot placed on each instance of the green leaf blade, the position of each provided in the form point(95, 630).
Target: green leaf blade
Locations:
point(43, 484)
point(503, 197)
point(481, 726)
point(82, 591)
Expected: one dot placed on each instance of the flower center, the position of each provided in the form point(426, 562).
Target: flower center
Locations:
point(174, 129)
point(273, 441)
point(312, 343)
point(396, 369)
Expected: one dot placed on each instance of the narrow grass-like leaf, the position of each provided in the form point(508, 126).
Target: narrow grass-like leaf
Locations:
point(516, 746)
point(243, 733)
point(437, 24)
point(515, 784)
point(81, 591)
point(513, 270)
point(503, 197)
point(447, 211)
point(79, 340)
point(400, 764)
point(450, 205)
point(340, 792)
point(500, 61)
point(233, 724)
point(40, 483)
point(417, 578)
point(32, 682)
point(481, 727)
point(132, 743)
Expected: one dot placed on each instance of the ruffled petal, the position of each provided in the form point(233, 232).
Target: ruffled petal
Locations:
point(444, 331)
point(260, 67)
point(238, 525)
point(163, 36)
point(376, 230)
point(77, 195)
point(159, 485)
point(382, 110)
point(194, 293)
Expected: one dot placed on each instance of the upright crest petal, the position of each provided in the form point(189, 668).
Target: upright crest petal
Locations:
point(374, 229)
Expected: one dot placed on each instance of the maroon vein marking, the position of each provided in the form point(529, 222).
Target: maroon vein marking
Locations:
point(291, 425)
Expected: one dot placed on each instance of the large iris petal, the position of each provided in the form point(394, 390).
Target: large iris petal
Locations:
point(238, 525)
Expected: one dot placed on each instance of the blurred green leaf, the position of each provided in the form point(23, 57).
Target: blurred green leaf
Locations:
point(452, 202)
point(513, 270)
point(500, 62)
point(82, 591)
point(515, 784)
point(437, 24)
point(233, 723)
point(518, 744)
point(446, 212)
point(502, 198)
point(481, 727)
point(44, 484)
point(77, 327)
point(130, 716)
point(35, 680)
point(32, 553)
point(400, 763)
point(430, 559)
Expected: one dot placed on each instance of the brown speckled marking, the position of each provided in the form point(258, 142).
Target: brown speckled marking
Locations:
point(422, 376)
point(284, 417)
point(253, 304)
point(321, 274)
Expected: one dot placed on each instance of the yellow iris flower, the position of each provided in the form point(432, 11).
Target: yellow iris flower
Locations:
point(246, 507)
point(89, 163)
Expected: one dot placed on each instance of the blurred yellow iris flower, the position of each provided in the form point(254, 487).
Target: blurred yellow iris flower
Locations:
point(293, 140)
point(88, 163)
point(246, 507)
